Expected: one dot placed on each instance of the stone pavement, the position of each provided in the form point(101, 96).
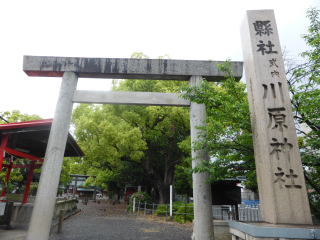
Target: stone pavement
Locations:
point(16, 234)
point(106, 221)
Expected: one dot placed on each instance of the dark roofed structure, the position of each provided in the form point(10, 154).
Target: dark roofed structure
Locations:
point(29, 140)
point(31, 137)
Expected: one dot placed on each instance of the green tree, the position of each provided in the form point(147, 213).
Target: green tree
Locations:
point(183, 178)
point(17, 116)
point(304, 85)
point(228, 138)
point(148, 136)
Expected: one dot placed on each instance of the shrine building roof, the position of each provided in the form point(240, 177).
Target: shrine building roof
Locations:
point(32, 137)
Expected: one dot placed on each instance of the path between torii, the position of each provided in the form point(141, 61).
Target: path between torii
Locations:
point(106, 221)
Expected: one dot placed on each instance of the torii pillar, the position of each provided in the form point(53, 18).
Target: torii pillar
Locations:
point(40, 222)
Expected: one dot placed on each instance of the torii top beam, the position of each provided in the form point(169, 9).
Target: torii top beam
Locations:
point(124, 68)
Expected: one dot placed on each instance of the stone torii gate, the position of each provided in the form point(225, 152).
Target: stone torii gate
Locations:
point(75, 185)
point(70, 69)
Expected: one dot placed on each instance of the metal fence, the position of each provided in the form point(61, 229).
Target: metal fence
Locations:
point(147, 208)
point(246, 212)
point(222, 212)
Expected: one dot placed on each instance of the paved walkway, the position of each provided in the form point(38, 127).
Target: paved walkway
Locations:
point(106, 221)
point(16, 234)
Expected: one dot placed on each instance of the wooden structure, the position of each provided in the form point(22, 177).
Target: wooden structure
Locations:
point(28, 140)
point(83, 192)
point(226, 192)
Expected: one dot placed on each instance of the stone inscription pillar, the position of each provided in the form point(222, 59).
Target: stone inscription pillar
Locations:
point(40, 222)
point(202, 199)
point(282, 189)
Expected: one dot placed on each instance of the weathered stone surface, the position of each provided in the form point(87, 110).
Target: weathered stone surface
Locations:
point(40, 223)
point(282, 189)
point(202, 198)
point(122, 68)
point(130, 98)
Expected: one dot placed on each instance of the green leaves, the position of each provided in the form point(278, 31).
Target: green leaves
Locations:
point(228, 136)
point(113, 136)
point(17, 116)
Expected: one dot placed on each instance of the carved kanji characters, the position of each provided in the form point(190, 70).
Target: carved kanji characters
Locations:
point(263, 50)
point(275, 73)
point(292, 176)
point(261, 47)
point(278, 117)
point(279, 177)
point(287, 147)
point(262, 27)
point(270, 46)
point(273, 90)
point(273, 62)
point(277, 146)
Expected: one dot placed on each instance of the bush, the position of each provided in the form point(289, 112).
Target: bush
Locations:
point(142, 197)
point(176, 206)
point(180, 217)
point(129, 208)
point(161, 209)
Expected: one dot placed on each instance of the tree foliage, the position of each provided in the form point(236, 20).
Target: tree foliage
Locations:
point(148, 136)
point(17, 116)
point(304, 84)
point(228, 138)
point(183, 178)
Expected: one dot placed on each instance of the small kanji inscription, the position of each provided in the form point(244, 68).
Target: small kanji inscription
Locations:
point(273, 62)
point(275, 73)
point(292, 176)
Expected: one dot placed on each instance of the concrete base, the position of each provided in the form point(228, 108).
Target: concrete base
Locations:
point(221, 230)
point(270, 231)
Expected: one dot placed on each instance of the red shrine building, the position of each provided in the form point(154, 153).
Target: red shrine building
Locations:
point(28, 141)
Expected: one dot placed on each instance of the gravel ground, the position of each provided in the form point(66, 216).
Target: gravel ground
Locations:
point(106, 221)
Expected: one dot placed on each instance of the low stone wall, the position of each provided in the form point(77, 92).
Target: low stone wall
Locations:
point(67, 205)
point(12, 197)
point(221, 230)
point(22, 214)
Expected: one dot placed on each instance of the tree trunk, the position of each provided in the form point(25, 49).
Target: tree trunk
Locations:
point(163, 185)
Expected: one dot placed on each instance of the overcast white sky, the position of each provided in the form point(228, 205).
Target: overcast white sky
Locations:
point(192, 30)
